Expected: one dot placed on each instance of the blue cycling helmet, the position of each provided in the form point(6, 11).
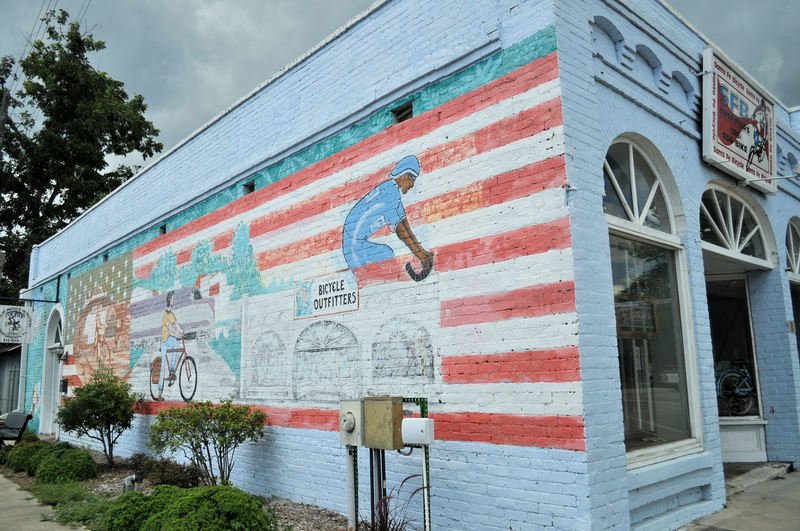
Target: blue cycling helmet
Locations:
point(407, 166)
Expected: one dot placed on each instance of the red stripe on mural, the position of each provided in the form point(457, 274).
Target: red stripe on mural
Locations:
point(551, 365)
point(515, 184)
point(526, 241)
point(221, 241)
point(300, 250)
point(524, 78)
point(314, 419)
point(565, 433)
point(533, 301)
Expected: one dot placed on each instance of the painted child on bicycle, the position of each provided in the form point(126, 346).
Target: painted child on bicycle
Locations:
point(171, 334)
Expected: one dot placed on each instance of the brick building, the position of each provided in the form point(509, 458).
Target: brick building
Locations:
point(598, 263)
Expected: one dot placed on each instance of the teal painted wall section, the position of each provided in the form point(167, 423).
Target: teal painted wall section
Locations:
point(240, 269)
point(36, 347)
point(229, 348)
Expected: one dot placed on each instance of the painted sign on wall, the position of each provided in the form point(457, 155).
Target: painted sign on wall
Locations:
point(738, 124)
point(325, 295)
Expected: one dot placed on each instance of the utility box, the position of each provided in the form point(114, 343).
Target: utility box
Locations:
point(351, 422)
point(383, 420)
point(417, 431)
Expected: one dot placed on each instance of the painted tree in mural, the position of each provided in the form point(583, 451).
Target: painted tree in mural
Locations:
point(62, 124)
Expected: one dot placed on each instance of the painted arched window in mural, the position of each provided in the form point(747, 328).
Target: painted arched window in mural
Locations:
point(730, 224)
point(646, 266)
point(326, 362)
point(633, 192)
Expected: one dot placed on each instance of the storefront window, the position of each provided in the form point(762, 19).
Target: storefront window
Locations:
point(652, 361)
point(650, 345)
point(793, 268)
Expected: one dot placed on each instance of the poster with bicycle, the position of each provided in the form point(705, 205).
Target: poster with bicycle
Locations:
point(738, 123)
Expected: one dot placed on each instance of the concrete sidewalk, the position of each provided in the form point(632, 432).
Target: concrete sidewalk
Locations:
point(21, 510)
point(765, 498)
point(762, 497)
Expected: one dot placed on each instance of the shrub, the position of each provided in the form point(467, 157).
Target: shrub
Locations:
point(29, 436)
point(130, 510)
point(213, 508)
point(208, 435)
point(71, 465)
point(4, 454)
point(166, 471)
point(36, 459)
point(101, 410)
point(19, 456)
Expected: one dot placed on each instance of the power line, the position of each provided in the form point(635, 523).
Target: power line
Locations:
point(29, 40)
point(80, 16)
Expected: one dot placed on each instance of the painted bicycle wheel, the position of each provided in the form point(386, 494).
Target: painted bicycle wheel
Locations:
point(733, 399)
point(155, 375)
point(187, 381)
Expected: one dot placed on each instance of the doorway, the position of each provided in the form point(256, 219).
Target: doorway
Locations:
point(51, 375)
point(736, 370)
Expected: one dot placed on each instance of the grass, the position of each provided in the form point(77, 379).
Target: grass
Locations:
point(73, 504)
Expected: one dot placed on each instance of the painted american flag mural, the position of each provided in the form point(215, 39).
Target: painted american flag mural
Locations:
point(489, 336)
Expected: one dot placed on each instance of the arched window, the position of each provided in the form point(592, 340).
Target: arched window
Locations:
point(730, 226)
point(793, 249)
point(648, 271)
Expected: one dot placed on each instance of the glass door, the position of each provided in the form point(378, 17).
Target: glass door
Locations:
point(732, 341)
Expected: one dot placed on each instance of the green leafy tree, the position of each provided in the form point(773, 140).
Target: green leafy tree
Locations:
point(61, 126)
point(101, 409)
point(208, 435)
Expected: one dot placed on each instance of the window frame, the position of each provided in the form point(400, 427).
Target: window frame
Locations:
point(793, 267)
point(636, 231)
point(752, 261)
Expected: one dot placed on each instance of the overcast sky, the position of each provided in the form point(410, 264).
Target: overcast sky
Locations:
point(191, 59)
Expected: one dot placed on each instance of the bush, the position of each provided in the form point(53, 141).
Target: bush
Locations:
point(70, 465)
point(213, 508)
point(4, 454)
point(208, 435)
point(166, 471)
point(130, 510)
point(19, 456)
point(29, 436)
point(49, 449)
point(101, 410)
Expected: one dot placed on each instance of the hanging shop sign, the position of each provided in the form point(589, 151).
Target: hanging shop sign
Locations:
point(738, 124)
point(15, 324)
point(326, 295)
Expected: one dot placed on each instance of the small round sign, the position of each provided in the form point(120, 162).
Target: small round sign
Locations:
point(14, 324)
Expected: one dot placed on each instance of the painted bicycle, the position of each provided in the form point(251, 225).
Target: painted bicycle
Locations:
point(184, 371)
point(736, 391)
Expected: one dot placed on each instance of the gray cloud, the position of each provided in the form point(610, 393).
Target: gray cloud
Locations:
point(192, 59)
point(760, 35)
